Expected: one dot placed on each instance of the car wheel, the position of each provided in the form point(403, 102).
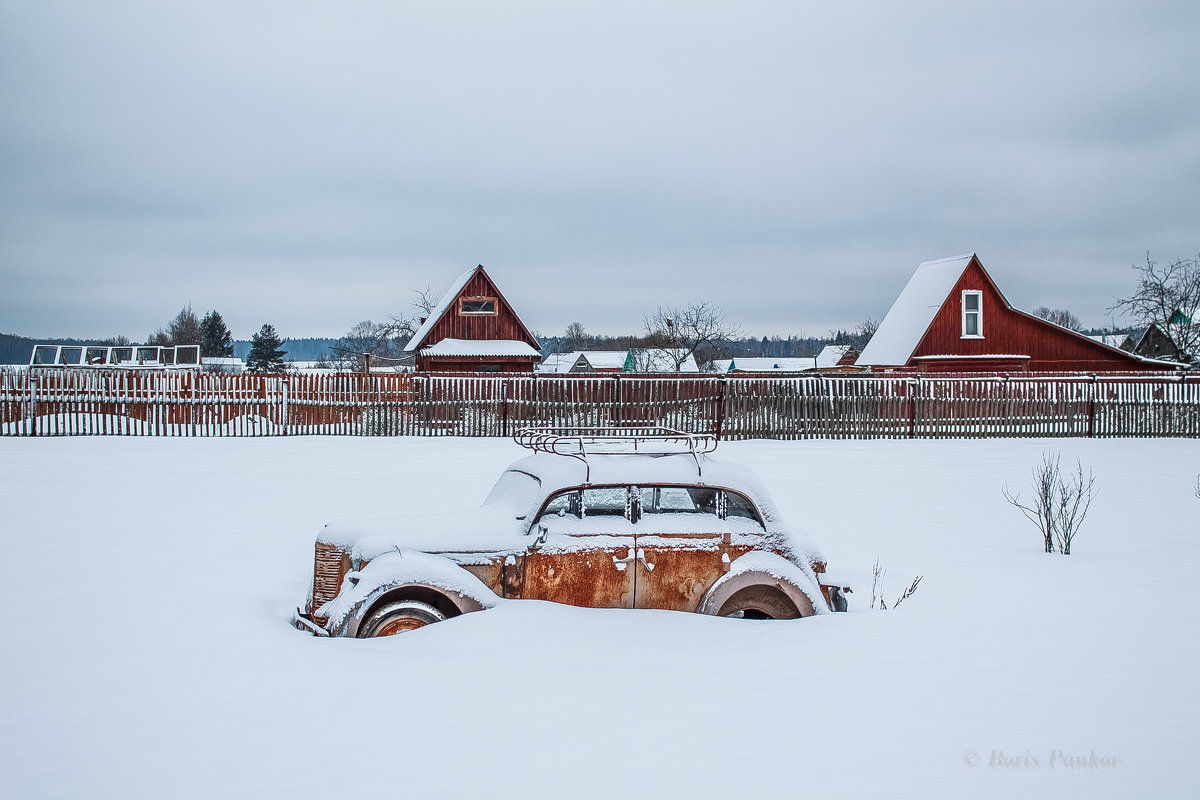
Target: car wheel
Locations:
point(759, 602)
point(397, 617)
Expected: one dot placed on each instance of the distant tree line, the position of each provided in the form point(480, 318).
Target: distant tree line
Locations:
point(1167, 296)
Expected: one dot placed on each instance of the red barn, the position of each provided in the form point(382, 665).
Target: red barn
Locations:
point(951, 317)
point(474, 329)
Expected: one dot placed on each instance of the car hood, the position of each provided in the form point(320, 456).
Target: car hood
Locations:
point(490, 528)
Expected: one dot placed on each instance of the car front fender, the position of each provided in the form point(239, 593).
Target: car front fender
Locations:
point(766, 569)
point(393, 574)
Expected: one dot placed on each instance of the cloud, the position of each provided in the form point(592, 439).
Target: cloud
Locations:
point(310, 164)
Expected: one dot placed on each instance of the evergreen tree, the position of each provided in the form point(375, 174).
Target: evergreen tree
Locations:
point(265, 353)
point(215, 339)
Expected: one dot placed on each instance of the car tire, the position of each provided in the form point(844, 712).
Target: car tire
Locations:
point(759, 602)
point(398, 616)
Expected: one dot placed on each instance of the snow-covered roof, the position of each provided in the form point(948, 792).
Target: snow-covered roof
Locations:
point(480, 347)
point(557, 363)
point(563, 363)
point(722, 364)
point(912, 313)
point(831, 354)
point(756, 364)
point(444, 303)
point(605, 359)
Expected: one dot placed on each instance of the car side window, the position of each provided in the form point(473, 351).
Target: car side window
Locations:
point(605, 501)
point(678, 500)
point(563, 504)
point(738, 505)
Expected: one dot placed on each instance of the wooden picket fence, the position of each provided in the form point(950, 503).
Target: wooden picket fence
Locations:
point(131, 403)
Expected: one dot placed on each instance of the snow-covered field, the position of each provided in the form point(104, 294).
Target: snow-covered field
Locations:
point(148, 582)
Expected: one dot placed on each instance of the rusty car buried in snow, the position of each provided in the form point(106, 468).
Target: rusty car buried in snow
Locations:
point(604, 518)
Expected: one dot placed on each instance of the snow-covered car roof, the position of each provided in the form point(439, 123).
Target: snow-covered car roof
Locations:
point(503, 521)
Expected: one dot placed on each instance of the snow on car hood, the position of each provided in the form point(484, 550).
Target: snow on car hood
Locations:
point(490, 528)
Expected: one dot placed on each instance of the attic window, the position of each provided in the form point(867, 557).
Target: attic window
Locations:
point(972, 315)
point(476, 305)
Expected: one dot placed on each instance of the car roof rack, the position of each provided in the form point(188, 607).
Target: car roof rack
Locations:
point(649, 440)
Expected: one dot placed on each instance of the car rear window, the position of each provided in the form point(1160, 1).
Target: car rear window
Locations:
point(515, 488)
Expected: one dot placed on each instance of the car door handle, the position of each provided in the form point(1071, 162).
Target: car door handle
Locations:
point(641, 556)
point(630, 557)
point(622, 563)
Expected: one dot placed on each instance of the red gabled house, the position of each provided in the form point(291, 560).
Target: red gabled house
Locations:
point(951, 317)
point(474, 329)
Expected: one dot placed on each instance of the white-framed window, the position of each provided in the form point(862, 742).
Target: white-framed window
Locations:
point(972, 314)
point(472, 306)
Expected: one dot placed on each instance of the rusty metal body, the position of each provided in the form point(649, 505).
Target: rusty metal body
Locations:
point(676, 532)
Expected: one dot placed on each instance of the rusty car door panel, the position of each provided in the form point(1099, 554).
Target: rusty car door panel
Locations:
point(581, 575)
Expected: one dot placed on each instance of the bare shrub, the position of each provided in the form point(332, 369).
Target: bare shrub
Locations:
point(877, 575)
point(1072, 498)
point(1059, 504)
point(909, 592)
point(1040, 511)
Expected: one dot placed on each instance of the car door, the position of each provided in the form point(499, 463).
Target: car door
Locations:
point(584, 551)
point(685, 541)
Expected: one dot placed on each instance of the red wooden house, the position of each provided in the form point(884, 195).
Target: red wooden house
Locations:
point(474, 329)
point(951, 317)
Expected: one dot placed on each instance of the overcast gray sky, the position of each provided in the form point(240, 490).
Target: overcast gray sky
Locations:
point(310, 164)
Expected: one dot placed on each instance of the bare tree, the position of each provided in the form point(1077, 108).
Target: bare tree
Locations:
point(576, 338)
point(184, 328)
point(423, 302)
point(865, 330)
point(367, 340)
point(1059, 503)
point(698, 331)
point(1059, 316)
point(1169, 297)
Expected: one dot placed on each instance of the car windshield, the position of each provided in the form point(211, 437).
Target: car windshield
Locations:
point(517, 489)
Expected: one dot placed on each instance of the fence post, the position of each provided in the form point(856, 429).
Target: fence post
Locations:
point(504, 409)
point(617, 410)
point(721, 407)
point(914, 405)
point(1091, 429)
point(34, 379)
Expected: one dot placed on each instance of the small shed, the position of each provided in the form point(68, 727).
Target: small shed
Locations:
point(951, 317)
point(584, 362)
point(473, 328)
point(1155, 343)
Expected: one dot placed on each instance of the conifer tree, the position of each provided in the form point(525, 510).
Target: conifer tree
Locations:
point(265, 353)
point(215, 339)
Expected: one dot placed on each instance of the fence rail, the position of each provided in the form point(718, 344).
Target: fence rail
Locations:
point(117, 402)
